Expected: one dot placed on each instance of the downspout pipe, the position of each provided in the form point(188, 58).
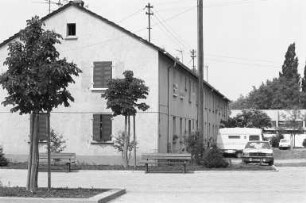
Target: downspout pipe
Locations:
point(169, 144)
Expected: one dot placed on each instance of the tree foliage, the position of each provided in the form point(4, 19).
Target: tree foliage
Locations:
point(122, 95)
point(283, 92)
point(36, 81)
point(248, 118)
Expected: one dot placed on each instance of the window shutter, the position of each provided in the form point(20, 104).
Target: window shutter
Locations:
point(96, 127)
point(106, 127)
point(102, 73)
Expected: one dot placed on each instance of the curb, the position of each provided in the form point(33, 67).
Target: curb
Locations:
point(100, 198)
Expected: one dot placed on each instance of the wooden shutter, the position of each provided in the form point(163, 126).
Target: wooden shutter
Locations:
point(106, 127)
point(102, 73)
point(96, 130)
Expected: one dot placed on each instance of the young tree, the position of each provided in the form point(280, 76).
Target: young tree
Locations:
point(122, 96)
point(36, 81)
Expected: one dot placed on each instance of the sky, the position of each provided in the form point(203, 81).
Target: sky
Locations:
point(244, 40)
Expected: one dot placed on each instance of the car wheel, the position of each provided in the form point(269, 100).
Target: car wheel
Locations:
point(271, 163)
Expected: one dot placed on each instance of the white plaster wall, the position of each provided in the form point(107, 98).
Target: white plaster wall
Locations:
point(97, 41)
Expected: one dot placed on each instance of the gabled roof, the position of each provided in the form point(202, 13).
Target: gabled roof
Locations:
point(160, 50)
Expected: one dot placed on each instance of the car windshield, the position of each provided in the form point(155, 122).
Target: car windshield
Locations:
point(284, 140)
point(258, 145)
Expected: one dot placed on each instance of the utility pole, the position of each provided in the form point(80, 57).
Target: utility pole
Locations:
point(200, 71)
point(49, 2)
point(149, 13)
point(193, 57)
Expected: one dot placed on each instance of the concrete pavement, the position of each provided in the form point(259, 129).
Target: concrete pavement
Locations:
point(287, 185)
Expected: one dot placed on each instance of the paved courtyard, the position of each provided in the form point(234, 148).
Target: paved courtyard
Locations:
point(286, 185)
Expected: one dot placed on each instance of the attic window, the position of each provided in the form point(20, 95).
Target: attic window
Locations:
point(71, 29)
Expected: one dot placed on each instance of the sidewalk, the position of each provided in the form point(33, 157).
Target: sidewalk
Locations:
point(287, 185)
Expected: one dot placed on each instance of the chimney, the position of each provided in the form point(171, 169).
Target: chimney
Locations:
point(78, 2)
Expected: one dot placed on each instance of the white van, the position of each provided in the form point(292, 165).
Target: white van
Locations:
point(233, 140)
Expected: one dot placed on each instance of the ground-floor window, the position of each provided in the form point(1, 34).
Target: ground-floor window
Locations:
point(102, 127)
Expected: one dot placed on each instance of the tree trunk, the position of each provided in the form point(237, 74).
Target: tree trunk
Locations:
point(128, 140)
point(34, 156)
point(134, 138)
point(49, 153)
point(32, 118)
point(125, 165)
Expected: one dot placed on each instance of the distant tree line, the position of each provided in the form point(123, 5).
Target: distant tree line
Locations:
point(287, 91)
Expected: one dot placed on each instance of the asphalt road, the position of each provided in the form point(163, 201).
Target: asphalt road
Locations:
point(286, 185)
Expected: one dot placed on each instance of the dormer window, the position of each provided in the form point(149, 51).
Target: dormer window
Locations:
point(71, 29)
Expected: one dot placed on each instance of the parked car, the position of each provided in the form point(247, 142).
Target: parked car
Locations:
point(284, 144)
point(258, 152)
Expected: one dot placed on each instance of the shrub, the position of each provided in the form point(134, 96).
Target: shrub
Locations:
point(275, 140)
point(119, 145)
point(3, 160)
point(304, 142)
point(213, 158)
point(195, 147)
point(57, 142)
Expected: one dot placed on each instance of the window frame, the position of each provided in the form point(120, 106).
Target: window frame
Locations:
point(92, 88)
point(101, 140)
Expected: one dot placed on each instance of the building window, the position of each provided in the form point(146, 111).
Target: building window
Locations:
point(174, 126)
point(102, 127)
point(42, 126)
point(102, 72)
point(233, 137)
point(71, 29)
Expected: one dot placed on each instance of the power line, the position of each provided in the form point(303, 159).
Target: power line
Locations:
point(246, 64)
point(172, 36)
point(243, 59)
point(233, 3)
point(131, 15)
point(168, 27)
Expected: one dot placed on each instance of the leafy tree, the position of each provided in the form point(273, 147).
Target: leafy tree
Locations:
point(249, 118)
point(303, 94)
point(36, 81)
point(122, 96)
point(3, 160)
point(293, 124)
point(290, 66)
point(280, 93)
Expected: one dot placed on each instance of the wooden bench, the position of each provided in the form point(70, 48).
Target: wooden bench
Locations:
point(165, 158)
point(66, 158)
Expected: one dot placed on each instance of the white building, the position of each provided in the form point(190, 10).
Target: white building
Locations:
point(103, 50)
